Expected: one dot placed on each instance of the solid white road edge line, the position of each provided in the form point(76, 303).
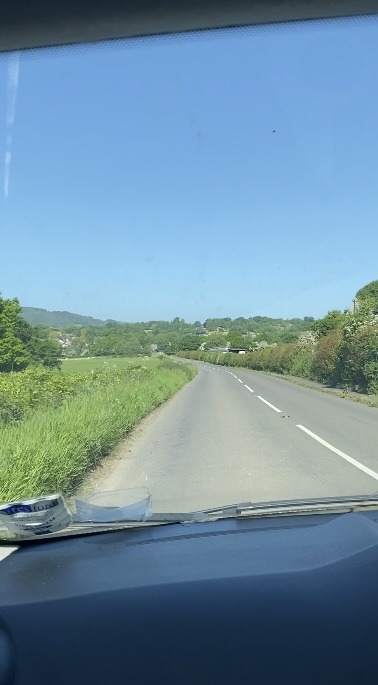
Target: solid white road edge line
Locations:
point(269, 405)
point(341, 454)
point(248, 388)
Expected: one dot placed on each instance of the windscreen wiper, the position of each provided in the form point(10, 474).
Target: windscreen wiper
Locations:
point(249, 509)
point(118, 518)
point(298, 506)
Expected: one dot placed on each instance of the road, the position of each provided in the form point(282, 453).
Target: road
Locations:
point(237, 435)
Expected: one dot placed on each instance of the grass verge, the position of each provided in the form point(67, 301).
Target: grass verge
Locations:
point(53, 450)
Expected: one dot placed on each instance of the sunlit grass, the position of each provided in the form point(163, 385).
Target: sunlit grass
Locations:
point(54, 449)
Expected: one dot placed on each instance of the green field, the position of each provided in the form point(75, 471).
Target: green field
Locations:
point(89, 363)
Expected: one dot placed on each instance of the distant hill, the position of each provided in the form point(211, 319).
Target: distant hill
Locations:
point(42, 317)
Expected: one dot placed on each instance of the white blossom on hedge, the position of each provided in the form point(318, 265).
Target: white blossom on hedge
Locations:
point(308, 339)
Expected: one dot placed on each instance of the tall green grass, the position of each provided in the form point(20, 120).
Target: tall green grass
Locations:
point(24, 392)
point(54, 449)
point(89, 363)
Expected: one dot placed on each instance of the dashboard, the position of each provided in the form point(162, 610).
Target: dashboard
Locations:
point(286, 599)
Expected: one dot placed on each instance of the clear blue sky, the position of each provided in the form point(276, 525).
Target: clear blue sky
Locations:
point(143, 180)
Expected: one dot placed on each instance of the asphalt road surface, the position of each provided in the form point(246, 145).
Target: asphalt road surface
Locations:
point(237, 435)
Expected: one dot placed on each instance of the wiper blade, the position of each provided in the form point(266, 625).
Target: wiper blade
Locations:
point(273, 507)
point(297, 506)
point(240, 510)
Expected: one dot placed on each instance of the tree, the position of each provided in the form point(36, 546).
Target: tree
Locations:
point(13, 354)
point(45, 352)
point(235, 339)
point(130, 346)
point(333, 321)
point(288, 337)
point(164, 344)
point(216, 340)
point(10, 315)
point(369, 295)
point(250, 341)
point(14, 334)
point(189, 342)
point(20, 343)
point(178, 324)
point(169, 342)
point(240, 324)
point(213, 324)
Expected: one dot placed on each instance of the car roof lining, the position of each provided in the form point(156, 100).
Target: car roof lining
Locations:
point(41, 23)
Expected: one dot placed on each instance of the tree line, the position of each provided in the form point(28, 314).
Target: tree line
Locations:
point(340, 348)
point(22, 345)
point(169, 337)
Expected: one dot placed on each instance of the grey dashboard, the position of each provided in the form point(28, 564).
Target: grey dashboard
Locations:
point(288, 600)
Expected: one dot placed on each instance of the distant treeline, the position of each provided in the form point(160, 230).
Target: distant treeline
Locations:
point(169, 337)
point(340, 349)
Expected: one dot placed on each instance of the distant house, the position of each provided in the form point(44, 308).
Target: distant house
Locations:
point(235, 350)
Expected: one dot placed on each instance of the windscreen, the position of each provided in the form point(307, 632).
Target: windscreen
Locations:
point(189, 293)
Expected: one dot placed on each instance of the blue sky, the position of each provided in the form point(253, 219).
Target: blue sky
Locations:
point(222, 174)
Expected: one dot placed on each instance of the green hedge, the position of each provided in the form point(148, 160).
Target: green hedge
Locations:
point(346, 358)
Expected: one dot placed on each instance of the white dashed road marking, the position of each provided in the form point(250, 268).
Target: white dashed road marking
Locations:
point(346, 457)
point(269, 405)
point(341, 454)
